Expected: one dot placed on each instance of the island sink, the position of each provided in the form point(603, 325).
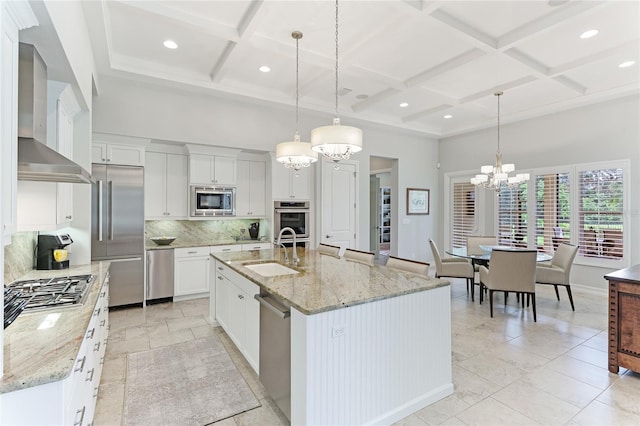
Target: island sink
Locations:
point(270, 269)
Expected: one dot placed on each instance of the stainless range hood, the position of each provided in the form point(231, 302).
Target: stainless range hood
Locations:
point(36, 161)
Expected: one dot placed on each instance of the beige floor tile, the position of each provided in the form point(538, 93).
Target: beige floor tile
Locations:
point(493, 369)
point(442, 410)
point(538, 405)
point(114, 350)
point(583, 371)
point(600, 341)
point(590, 355)
point(113, 370)
point(490, 412)
point(412, 420)
point(518, 357)
point(170, 338)
point(624, 394)
point(163, 311)
point(226, 422)
point(194, 307)
point(263, 415)
point(470, 387)
point(600, 414)
point(203, 331)
point(188, 322)
point(557, 384)
point(546, 343)
point(110, 405)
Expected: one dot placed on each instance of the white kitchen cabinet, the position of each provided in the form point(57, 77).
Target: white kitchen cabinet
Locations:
point(287, 184)
point(110, 153)
point(64, 137)
point(225, 248)
point(237, 312)
point(212, 169)
point(166, 187)
point(256, 246)
point(191, 269)
point(250, 192)
point(8, 121)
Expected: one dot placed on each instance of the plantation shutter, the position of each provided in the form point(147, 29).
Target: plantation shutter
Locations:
point(553, 215)
point(601, 213)
point(464, 212)
point(512, 216)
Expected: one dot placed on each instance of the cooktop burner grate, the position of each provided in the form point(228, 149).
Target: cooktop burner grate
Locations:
point(52, 292)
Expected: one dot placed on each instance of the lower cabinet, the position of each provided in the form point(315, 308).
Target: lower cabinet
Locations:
point(237, 312)
point(71, 401)
point(191, 269)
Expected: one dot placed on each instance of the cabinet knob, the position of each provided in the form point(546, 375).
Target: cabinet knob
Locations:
point(68, 217)
point(240, 296)
point(104, 159)
point(327, 236)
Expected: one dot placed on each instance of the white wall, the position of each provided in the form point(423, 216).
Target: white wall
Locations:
point(606, 131)
point(147, 111)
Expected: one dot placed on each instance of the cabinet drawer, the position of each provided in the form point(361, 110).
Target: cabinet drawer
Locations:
point(225, 248)
point(191, 251)
point(256, 246)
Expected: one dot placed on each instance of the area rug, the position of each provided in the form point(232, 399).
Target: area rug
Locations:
point(192, 383)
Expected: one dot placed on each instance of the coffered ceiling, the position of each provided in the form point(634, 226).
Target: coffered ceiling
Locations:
point(439, 57)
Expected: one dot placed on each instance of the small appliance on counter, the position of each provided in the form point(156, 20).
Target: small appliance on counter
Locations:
point(51, 252)
point(254, 230)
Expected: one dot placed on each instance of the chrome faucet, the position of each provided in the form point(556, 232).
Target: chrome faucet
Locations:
point(294, 252)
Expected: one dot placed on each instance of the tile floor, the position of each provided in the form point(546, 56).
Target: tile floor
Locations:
point(507, 370)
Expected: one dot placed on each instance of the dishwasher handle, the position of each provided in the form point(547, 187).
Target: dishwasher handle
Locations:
point(275, 309)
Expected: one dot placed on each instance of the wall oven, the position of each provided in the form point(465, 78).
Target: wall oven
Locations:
point(213, 201)
point(293, 214)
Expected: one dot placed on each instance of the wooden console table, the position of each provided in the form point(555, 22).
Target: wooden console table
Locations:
point(624, 319)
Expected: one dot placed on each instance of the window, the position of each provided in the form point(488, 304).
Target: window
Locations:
point(553, 211)
point(601, 214)
point(464, 211)
point(512, 216)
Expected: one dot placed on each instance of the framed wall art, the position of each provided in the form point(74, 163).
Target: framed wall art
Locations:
point(417, 201)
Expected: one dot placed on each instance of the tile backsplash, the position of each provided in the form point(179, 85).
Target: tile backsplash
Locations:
point(19, 256)
point(197, 231)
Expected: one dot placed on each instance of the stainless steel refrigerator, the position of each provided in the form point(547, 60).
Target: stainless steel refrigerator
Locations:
point(117, 229)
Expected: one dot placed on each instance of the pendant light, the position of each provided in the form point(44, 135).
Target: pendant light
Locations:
point(336, 142)
point(497, 177)
point(295, 154)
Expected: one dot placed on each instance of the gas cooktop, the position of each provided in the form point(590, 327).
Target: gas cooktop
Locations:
point(52, 292)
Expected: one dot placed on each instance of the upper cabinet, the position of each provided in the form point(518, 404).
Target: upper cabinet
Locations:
point(287, 184)
point(8, 121)
point(212, 169)
point(111, 153)
point(250, 193)
point(166, 187)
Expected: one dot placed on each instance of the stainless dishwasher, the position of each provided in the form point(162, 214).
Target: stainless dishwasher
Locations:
point(159, 275)
point(275, 350)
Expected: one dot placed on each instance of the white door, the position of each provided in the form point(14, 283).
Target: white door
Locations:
point(339, 205)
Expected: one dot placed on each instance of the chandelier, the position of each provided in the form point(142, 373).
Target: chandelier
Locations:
point(336, 142)
point(295, 154)
point(497, 177)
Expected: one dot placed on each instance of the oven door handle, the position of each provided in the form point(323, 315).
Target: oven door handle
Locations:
point(292, 211)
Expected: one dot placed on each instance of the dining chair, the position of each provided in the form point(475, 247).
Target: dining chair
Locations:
point(474, 242)
point(408, 265)
point(453, 268)
point(329, 249)
point(510, 271)
point(557, 271)
point(359, 256)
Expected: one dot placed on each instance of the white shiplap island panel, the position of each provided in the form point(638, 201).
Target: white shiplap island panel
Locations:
point(393, 359)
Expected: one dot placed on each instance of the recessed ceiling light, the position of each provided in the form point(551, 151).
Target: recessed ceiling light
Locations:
point(404, 105)
point(448, 116)
point(626, 64)
point(589, 33)
point(264, 68)
point(170, 44)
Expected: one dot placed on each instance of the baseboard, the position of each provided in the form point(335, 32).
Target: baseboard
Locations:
point(413, 406)
point(190, 296)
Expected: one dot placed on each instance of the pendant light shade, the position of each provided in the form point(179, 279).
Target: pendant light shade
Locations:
point(296, 154)
point(336, 142)
point(496, 177)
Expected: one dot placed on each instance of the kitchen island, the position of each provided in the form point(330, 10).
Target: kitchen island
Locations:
point(369, 344)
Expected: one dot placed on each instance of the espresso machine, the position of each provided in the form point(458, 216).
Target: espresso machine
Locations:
point(51, 252)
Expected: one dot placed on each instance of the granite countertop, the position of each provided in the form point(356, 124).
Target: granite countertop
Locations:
point(181, 243)
point(325, 283)
point(35, 357)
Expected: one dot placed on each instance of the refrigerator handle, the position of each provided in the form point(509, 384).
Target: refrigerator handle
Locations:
point(110, 217)
point(100, 206)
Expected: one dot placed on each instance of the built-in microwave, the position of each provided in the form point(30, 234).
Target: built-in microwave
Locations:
point(213, 201)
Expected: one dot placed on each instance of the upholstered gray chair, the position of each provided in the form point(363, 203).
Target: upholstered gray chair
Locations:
point(510, 271)
point(359, 256)
point(408, 265)
point(329, 249)
point(453, 268)
point(558, 270)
